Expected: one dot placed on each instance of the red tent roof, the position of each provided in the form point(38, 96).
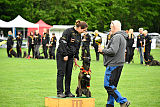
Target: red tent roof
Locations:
point(42, 26)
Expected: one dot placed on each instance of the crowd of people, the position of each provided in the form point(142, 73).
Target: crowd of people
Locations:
point(142, 43)
point(143, 46)
point(35, 40)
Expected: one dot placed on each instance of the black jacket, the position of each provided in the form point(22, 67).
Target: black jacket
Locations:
point(66, 46)
point(95, 45)
point(148, 42)
point(88, 39)
point(37, 39)
point(30, 40)
point(140, 38)
point(19, 39)
point(45, 39)
point(53, 41)
point(10, 41)
point(108, 38)
point(130, 41)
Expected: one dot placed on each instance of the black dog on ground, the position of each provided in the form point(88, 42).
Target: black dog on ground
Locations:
point(152, 62)
point(84, 78)
point(25, 54)
point(13, 52)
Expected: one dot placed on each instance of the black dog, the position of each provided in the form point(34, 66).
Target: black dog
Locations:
point(13, 52)
point(84, 78)
point(152, 62)
point(25, 54)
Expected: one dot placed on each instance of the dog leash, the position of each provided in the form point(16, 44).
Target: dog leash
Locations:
point(76, 65)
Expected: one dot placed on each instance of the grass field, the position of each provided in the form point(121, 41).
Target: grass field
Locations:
point(26, 82)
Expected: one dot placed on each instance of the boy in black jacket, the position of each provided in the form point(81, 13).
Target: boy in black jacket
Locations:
point(37, 43)
point(19, 39)
point(85, 44)
point(52, 46)
point(45, 42)
point(10, 43)
point(30, 44)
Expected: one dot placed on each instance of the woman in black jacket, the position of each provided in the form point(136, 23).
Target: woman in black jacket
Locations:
point(68, 50)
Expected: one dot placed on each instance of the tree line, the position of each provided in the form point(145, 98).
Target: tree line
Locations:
point(97, 13)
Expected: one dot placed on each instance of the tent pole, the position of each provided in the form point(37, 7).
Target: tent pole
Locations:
point(13, 30)
point(23, 32)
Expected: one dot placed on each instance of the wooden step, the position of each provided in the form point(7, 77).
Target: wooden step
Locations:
point(69, 102)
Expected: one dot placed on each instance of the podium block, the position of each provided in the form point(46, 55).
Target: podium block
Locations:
point(69, 102)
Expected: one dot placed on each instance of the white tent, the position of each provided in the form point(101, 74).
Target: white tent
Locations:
point(22, 23)
point(18, 22)
point(4, 24)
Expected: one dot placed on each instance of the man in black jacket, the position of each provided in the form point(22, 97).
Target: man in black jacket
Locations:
point(19, 39)
point(129, 48)
point(10, 43)
point(31, 44)
point(37, 43)
point(85, 44)
point(45, 42)
point(147, 47)
point(140, 44)
point(95, 44)
point(52, 46)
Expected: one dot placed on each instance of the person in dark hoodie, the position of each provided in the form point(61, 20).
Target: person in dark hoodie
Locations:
point(19, 39)
point(129, 48)
point(10, 43)
point(140, 44)
point(86, 38)
point(45, 43)
point(52, 46)
point(68, 50)
point(30, 44)
point(114, 58)
point(37, 43)
point(95, 44)
point(147, 47)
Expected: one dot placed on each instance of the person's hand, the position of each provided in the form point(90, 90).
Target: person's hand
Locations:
point(65, 58)
point(137, 49)
point(72, 40)
point(100, 48)
point(75, 60)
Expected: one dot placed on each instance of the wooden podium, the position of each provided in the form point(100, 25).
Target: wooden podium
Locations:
point(69, 102)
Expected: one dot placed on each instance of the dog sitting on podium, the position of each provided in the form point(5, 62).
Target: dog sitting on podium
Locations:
point(84, 78)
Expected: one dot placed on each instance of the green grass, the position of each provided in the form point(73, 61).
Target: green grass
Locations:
point(26, 82)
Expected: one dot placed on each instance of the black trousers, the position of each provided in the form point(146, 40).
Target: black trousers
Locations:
point(87, 49)
point(64, 69)
point(52, 52)
point(97, 53)
point(146, 56)
point(45, 48)
point(19, 52)
point(31, 46)
point(129, 54)
point(8, 51)
point(132, 53)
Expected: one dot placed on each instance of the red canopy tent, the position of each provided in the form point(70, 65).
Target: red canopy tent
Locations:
point(42, 26)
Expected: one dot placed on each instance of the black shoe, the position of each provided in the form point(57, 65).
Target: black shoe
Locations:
point(70, 95)
point(61, 95)
point(126, 104)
